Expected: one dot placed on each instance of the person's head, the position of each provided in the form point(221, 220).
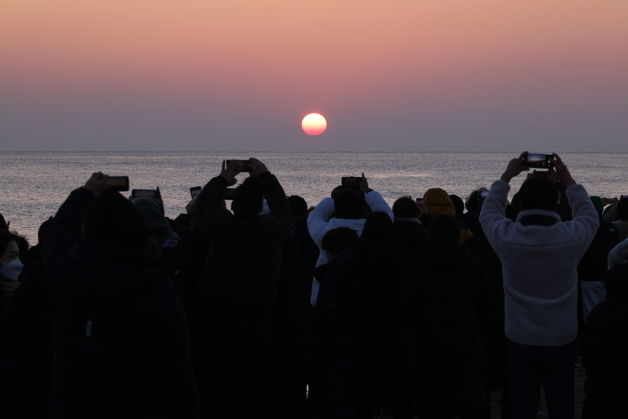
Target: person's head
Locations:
point(622, 209)
point(436, 201)
point(406, 207)
point(298, 206)
point(151, 211)
point(538, 193)
point(339, 239)
point(113, 220)
point(248, 199)
point(458, 205)
point(43, 228)
point(348, 203)
point(474, 201)
point(443, 230)
point(9, 249)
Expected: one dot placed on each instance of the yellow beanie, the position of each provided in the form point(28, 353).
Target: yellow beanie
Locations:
point(436, 201)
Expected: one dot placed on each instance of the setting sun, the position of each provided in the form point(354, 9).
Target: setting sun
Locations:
point(314, 124)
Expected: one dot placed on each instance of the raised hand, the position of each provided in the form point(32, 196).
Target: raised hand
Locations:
point(515, 166)
point(97, 183)
point(562, 173)
point(229, 173)
point(257, 167)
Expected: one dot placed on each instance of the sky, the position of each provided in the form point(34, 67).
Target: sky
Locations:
point(419, 75)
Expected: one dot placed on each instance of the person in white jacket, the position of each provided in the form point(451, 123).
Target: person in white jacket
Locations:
point(540, 255)
point(345, 209)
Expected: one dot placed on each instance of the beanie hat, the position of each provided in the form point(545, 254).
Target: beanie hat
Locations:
point(437, 201)
point(597, 203)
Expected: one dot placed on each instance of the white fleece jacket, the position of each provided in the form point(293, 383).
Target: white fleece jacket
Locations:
point(319, 222)
point(539, 266)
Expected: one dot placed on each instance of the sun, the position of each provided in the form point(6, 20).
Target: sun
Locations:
point(314, 124)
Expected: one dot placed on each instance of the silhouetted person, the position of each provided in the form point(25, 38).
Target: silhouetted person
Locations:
point(237, 298)
point(447, 301)
point(409, 231)
point(540, 255)
point(621, 221)
point(329, 390)
point(369, 309)
point(593, 266)
point(344, 209)
point(605, 344)
point(120, 341)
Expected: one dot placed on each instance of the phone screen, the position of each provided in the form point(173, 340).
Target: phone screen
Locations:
point(118, 183)
point(144, 193)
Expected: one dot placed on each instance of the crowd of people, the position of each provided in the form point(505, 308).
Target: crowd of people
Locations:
point(252, 305)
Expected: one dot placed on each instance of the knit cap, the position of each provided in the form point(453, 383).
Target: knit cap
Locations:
point(618, 255)
point(437, 201)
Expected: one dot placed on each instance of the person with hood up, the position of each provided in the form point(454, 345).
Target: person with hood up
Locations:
point(120, 342)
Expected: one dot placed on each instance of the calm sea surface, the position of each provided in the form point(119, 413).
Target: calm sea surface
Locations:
point(34, 184)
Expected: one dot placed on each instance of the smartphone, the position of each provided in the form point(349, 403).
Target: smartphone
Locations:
point(351, 182)
point(539, 161)
point(144, 193)
point(195, 191)
point(117, 183)
point(240, 165)
point(229, 194)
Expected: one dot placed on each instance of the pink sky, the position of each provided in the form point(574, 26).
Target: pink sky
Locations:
point(426, 75)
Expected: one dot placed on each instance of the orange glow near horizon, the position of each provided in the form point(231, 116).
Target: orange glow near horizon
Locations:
point(314, 124)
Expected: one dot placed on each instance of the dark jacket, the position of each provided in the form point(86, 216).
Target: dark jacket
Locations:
point(447, 300)
point(245, 257)
point(411, 237)
point(604, 349)
point(592, 266)
point(120, 343)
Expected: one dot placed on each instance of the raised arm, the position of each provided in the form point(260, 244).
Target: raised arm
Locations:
point(585, 220)
point(318, 219)
point(65, 227)
point(374, 200)
point(275, 196)
point(208, 207)
point(493, 213)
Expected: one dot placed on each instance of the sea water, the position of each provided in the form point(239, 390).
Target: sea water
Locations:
point(34, 184)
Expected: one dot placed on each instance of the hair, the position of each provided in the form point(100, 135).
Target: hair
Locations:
point(443, 230)
point(405, 207)
point(298, 206)
point(43, 228)
point(538, 193)
point(348, 203)
point(3, 223)
point(622, 209)
point(113, 220)
point(248, 199)
point(5, 239)
point(474, 201)
point(458, 204)
point(338, 239)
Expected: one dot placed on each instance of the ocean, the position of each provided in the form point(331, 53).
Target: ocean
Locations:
point(34, 184)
